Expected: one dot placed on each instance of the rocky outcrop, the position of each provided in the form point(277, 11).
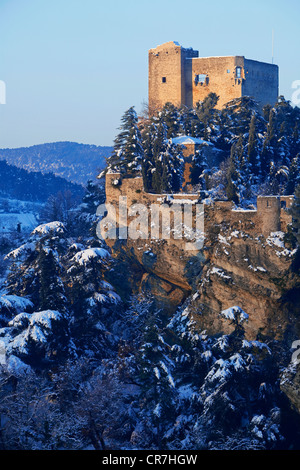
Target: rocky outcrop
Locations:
point(253, 272)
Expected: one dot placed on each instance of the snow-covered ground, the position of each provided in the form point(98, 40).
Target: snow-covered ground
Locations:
point(10, 222)
point(14, 212)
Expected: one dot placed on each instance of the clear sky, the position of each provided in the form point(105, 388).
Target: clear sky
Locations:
point(73, 67)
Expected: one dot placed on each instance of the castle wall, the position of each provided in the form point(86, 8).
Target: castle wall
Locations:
point(261, 82)
point(235, 263)
point(166, 72)
point(268, 208)
point(271, 214)
point(177, 75)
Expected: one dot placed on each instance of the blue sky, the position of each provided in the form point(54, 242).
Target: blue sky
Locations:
point(73, 67)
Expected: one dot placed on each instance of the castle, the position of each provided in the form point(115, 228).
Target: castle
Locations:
point(242, 259)
point(179, 76)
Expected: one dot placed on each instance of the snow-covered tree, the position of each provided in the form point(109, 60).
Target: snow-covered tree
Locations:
point(128, 150)
point(66, 279)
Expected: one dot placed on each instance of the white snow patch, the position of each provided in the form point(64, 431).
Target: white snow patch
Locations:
point(14, 302)
point(276, 238)
point(83, 257)
point(219, 272)
point(44, 229)
point(223, 239)
point(185, 139)
point(234, 313)
point(9, 222)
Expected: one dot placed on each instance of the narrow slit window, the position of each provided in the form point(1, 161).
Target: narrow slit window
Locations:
point(164, 79)
point(239, 72)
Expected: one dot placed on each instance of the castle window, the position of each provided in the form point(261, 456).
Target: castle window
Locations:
point(228, 70)
point(201, 78)
point(164, 79)
point(239, 72)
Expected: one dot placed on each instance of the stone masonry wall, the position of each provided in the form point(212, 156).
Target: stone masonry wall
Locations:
point(221, 79)
point(174, 77)
point(271, 214)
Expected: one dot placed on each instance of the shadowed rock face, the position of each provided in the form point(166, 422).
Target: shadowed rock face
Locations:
point(255, 275)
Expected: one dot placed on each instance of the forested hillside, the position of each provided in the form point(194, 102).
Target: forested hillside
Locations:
point(17, 183)
point(75, 162)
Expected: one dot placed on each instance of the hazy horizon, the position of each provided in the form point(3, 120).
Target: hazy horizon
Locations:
point(72, 68)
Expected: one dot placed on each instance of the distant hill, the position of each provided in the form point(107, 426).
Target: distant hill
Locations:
point(20, 184)
point(75, 162)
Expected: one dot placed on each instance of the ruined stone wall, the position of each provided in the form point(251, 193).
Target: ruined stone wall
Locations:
point(270, 216)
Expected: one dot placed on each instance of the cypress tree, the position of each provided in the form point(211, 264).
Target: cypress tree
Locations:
point(206, 114)
point(269, 147)
point(233, 172)
point(294, 176)
point(252, 151)
point(51, 290)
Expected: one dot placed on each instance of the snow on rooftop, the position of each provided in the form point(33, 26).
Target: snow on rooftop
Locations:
point(176, 43)
point(185, 139)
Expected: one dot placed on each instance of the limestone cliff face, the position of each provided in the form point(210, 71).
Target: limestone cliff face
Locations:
point(253, 271)
point(244, 261)
point(290, 384)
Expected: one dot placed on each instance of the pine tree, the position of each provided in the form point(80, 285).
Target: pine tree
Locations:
point(206, 114)
point(233, 175)
point(237, 115)
point(51, 288)
point(170, 116)
point(295, 141)
point(155, 377)
point(94, 195)
point(198, 168)
point(294, 176)
point(159, 145)
point(270, 145)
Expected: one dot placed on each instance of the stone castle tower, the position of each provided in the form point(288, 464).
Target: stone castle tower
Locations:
point(179, 76)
